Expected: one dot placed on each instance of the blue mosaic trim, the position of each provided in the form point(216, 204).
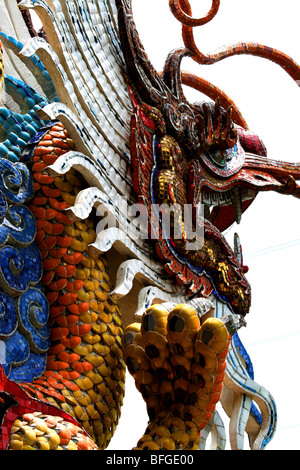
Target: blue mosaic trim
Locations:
point(33, 64)
point(24, 309)
point(272, 428)
point(242, 351)
point(250, 370)
point(16, 128)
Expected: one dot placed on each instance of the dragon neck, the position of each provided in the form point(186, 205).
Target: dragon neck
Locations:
point(85, 371)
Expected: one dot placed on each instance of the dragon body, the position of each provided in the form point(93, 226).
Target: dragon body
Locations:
point(96, 134)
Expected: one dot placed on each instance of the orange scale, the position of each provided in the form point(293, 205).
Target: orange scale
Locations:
point(66, 299)
point(29, 388)
point(64, 242)
point(36, 187)
point(59, 205)
point(33, 391)
point(75, 258)
point(39, 212)
point(28, 417)
point(49, 159)
point(56, 349)
point(44, 214)
point(79, 309)
point(44, 254)
point(40, 223)
point(82, 367)
point(60, 143)
point(80, 330)
point(46, 142)
point(52, 297)
point(43, 179)
point(59, 151)
point(210, 407)
point(51, 264)
point(221, 368)
point(71, 342)
point(59, 333)
point(39, 382)
point(64, 219)
point(58, 285)
point(39, 236)
point(83, 444)
point(65, 271)
point(57, 252)
point(69, 358)
point(51, 213)
point(57, 365)
point(67, 320)
point(56, 310)
point(70, 385)
point(47, 278)
point(74, 286)
point(39, 387)
point(58, 126)
point(51, 421)
point(223, 354)
point(215, 397)
point(58, 134)
point(55, 384)
point(47, 243)
point(47, 136)
point(54, 229)
point(64, 435)
point(51, 192)
point(38, 166)
point(50, 373)
point(73, 429)
point(55, 394)
point(40, 201)
point(40, 151)
point(70, 375)
point(39, 395)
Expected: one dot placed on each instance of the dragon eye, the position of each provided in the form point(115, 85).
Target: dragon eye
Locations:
point(224, 163)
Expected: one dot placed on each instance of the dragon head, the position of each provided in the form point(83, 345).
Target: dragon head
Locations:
point(226, 164)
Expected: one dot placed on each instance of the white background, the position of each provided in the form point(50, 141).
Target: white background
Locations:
point(269, 100)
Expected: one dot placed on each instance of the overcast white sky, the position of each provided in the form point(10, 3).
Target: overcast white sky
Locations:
point(269, 100)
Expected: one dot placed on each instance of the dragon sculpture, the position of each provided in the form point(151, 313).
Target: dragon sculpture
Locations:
point(92, 135)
